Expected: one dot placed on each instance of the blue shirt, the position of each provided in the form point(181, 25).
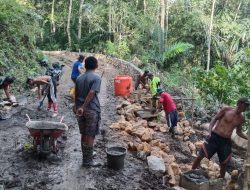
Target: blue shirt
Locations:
point(75, 72)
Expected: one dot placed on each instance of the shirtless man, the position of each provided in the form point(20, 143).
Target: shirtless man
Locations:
point(51, 82)
point(220, 132)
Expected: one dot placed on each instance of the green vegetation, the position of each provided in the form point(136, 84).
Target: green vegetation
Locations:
point(19, 28)
point(191, 44)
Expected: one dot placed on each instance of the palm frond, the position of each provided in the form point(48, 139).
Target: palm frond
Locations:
point(177, 49)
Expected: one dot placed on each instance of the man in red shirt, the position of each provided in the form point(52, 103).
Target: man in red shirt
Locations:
point(170, 110)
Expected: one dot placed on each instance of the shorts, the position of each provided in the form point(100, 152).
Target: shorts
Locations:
point(89, 123)
point(172, 118)
point(217, 144)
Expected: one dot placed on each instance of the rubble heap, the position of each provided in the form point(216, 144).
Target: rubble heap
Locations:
point(147, 139)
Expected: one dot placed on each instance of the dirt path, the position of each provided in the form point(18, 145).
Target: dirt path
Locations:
point(20, 168)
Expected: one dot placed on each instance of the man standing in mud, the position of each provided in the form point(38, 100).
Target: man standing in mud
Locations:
point(220, 132)
point(88, 110)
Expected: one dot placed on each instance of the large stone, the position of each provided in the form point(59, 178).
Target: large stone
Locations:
point(240, 142)
point(175, 168)
point(168, 158)
point(156, 151)
point(139, 131)
point(141, 123)
point(154, 142)
point(205, 126)
point(163, 129)
point(129, 129)
point(147, 136)
point(139, 147)
point(179, 130)
point(146, 147)
point(156, 164)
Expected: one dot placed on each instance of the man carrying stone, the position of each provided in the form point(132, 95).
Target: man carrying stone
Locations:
point(220, 132)
point(87, 109)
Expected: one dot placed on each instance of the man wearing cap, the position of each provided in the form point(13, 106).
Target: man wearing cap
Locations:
point(170, 110)
point(155, 83)
point(220, 131)
point(77, 68)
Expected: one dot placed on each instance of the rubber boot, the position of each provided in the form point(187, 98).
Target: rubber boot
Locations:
point(173, 132)
point(87, 156)
point(55, 107)
point(49, 105)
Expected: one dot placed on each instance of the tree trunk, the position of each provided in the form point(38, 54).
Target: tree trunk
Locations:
point(238, 9)
point(162, 25)
point(166, 28)
point(144, 6)
point(209, 36)
point(68, 23)
point(80, 20)
point(53, 26)
point(110, 18)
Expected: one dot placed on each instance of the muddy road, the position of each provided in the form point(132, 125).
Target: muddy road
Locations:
point(21, 169)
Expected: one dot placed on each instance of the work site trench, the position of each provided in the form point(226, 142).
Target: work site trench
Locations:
point(22, 168)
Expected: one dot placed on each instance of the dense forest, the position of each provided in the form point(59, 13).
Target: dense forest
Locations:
point(199, 46)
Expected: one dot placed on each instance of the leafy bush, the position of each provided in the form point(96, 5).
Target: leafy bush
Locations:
point(119, 50)
point(18, 29)
point(222, 84)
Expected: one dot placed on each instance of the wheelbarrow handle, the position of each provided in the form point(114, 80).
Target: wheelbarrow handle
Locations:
point(61, 119)
point(28, 117)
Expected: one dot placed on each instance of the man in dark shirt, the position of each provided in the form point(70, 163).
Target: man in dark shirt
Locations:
point(87, 108)
point(142, 80)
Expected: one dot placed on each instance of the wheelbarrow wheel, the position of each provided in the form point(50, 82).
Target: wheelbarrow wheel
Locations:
point(46, 144)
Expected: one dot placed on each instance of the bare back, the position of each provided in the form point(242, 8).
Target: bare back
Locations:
point(41, 80)
point(228, 120)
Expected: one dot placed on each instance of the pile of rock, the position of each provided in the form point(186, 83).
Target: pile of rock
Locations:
point(141, 137)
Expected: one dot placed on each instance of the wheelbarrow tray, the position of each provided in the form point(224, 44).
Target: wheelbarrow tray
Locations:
point(53, 129)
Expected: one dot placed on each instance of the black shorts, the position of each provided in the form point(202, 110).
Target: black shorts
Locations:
point(217, 144)
point(89, 123)
point(172, 118)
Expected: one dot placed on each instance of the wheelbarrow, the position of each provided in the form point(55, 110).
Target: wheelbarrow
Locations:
point(45, 134)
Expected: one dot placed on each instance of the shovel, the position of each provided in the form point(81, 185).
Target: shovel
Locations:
point(41, 102)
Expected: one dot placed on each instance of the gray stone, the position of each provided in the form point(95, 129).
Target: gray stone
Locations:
point(156, 164)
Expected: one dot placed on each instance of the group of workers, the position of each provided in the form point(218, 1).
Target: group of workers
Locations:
point(88, 111)
point(220, 129)
point(153, 83)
